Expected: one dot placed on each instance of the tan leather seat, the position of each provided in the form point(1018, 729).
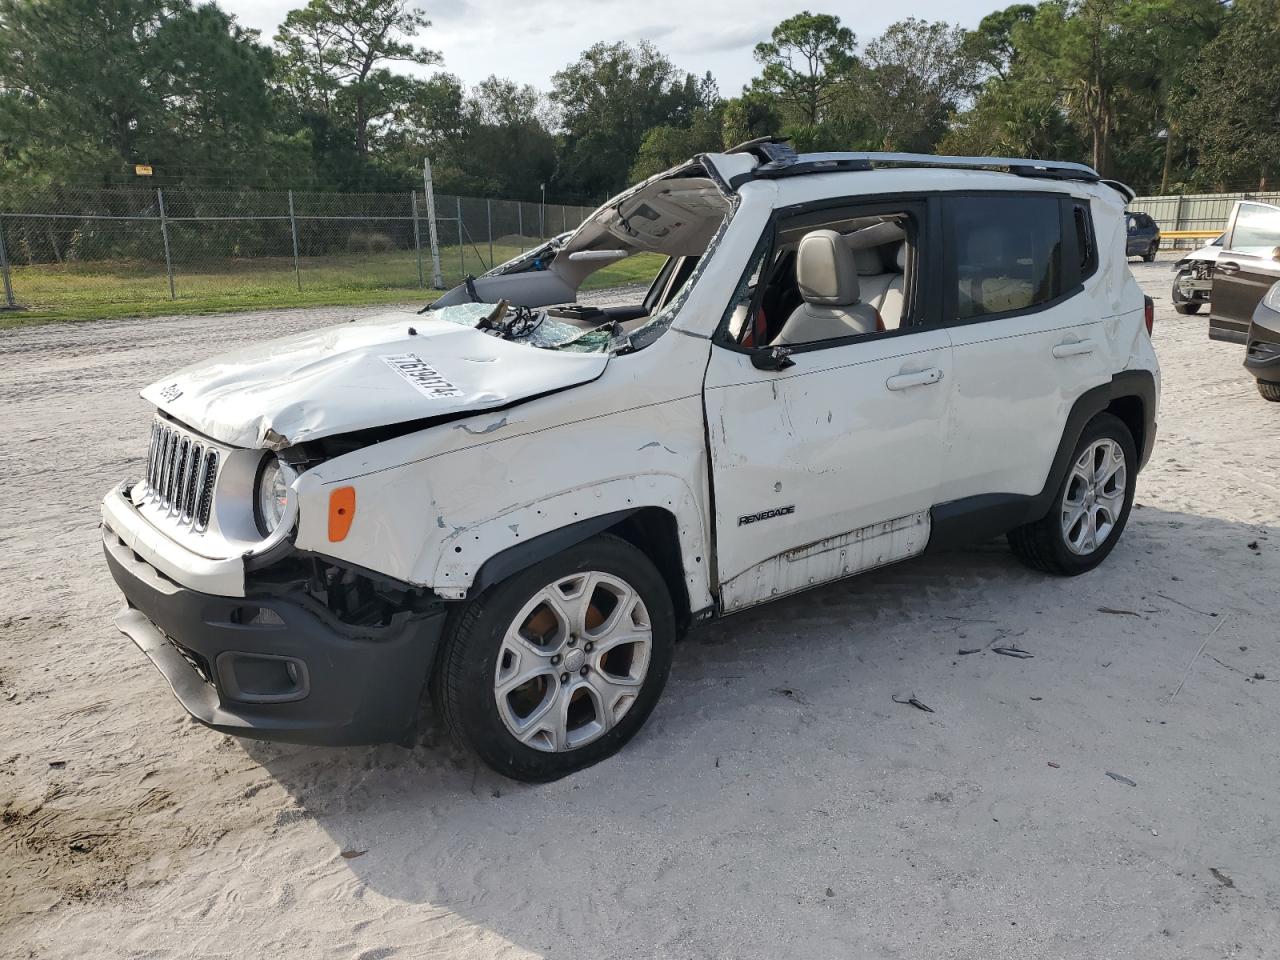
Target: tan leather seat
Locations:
point(828, 279)
point(890, 303)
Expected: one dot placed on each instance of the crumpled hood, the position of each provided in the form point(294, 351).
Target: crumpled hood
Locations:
point(359, 375)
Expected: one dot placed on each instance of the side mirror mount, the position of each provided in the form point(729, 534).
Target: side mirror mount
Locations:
point(772, 358)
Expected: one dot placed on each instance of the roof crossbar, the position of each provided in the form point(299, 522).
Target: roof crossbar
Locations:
point(806, 163)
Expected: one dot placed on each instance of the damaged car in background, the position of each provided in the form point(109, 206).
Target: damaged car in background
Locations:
point(512, 504)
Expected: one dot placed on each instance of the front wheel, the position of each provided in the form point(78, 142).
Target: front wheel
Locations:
point(1150, 255)
point(1091, 506)
point(557, 667)
point(1269, 391)
point(1181, 305)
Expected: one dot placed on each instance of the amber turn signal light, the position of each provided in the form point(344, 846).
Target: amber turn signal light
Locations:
point(342, 510)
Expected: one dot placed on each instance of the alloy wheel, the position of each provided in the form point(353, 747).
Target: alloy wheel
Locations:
point(1094, 497)
point(573, 661)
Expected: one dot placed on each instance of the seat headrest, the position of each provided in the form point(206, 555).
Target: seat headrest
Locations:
point(825, 271)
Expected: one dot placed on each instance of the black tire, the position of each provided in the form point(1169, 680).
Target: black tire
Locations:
point(1042, 544)
point(1269, 391)
point(462, 684)
point(1150, 255)
point(1184, 307)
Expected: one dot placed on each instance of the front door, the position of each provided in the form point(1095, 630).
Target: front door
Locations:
point(827, 466)
point(1245, 270)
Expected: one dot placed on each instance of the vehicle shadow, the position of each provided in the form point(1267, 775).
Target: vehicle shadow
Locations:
point(778, 772)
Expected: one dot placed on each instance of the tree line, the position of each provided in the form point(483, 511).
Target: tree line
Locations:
point(1164, 94)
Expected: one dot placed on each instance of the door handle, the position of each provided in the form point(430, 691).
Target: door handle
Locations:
point(923, 378)
point(1227, 266)
point(1077, 348)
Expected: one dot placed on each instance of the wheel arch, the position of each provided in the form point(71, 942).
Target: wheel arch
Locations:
point(653, 530)
point(1130, 395)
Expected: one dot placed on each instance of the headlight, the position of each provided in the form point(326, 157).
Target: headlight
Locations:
point(271, 495)
point(1272, 299)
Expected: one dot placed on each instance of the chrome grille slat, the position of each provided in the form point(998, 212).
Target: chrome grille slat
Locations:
point(195, 468)
point(166, 467)
point(180, 475)
point(151, 452)
point(204, 505)
point(177, 452)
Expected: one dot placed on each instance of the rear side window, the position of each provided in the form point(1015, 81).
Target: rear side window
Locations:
point(1086, 247)
point(1006, 252)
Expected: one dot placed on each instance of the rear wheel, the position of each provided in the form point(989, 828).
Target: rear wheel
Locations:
point(559, 666)
point(1269, 391)
point(1091, 507)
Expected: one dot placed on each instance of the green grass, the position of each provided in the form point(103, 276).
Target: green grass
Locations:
point(102, 290)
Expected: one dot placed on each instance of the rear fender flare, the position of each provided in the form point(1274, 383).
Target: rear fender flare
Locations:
point(972, 519)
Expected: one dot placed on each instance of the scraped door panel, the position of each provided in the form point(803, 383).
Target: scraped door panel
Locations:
point(826, 468)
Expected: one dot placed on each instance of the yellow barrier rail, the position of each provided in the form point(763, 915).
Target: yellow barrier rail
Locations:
point(1189, 234)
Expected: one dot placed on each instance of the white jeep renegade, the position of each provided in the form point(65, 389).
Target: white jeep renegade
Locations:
point(517, 503)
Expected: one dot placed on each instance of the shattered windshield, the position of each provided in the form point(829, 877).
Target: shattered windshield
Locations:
point(532, 326)
point(538, 327)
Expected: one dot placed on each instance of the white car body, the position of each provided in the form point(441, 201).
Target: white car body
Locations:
point(770, 481)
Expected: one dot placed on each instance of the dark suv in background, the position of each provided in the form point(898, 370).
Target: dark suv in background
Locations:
point(1144, 236)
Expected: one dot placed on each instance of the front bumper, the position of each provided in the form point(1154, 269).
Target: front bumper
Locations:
point(1262, 357)
point(276, 664)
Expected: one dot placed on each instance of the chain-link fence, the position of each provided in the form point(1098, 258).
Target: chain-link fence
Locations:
point(96, 252)
point(90, 252)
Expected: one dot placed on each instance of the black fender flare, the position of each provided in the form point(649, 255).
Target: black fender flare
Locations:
point(521, 556)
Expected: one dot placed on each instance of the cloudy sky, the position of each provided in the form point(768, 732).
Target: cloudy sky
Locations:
point(529, 40)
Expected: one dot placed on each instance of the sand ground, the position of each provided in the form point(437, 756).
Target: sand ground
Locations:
point(777, 804)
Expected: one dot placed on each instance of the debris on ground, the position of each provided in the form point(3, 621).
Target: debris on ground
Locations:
point(1056, 766)
point(1186, 673)
point(1013, 652)
point(1253, 545)
point(352, 854)
point(1119, 612)
point(1121, 778)
point(1037, 698)
point(1187, 606)
point(965, 653)
point(1221, 877)
point(913, 701)
point(791, 695)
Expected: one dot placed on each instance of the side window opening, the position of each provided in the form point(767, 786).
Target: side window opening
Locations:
point(827, 276)
point(1086, 245)
point(1007, 253)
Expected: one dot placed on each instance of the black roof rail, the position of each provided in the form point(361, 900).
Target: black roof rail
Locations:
point(806, 163)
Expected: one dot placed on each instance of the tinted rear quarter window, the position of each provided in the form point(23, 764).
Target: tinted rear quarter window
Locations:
point(1007, 252)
